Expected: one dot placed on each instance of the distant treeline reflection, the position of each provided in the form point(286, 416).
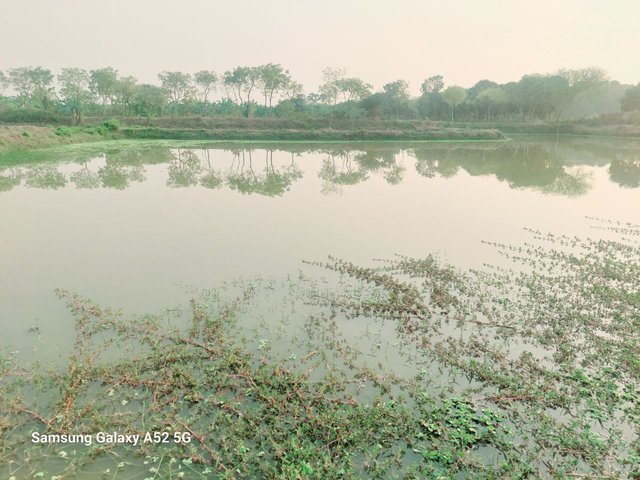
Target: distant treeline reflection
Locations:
point(548, 167)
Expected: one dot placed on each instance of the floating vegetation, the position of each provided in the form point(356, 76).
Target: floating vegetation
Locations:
point(527, 372)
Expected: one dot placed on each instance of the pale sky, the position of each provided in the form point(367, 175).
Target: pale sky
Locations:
point(378, 41)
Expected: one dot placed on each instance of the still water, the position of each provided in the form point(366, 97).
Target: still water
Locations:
point(128, 225)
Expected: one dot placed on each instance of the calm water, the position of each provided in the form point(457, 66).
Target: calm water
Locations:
point(126, 226)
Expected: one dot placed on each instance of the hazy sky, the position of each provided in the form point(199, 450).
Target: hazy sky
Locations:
point(379, 41)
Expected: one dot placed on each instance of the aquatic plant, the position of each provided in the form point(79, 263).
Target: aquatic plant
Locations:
point(523, 372)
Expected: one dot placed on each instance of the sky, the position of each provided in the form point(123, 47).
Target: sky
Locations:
point(378, 41)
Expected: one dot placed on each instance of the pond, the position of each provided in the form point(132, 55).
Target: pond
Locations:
point(126, 225)
point(138, 226)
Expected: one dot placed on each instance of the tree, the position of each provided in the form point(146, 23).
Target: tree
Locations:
point(125, 90)
point(433, 84)
point(32, 84)
point(74, 88)
point(454, 96)
point(578, 80)
point(396, 97)
point(541, 95)
point(271, 80)
point(242, 81)
point(353, 89)
point(292, 90)
point(4, 82)
point(481, 85)
point(177, 85)
point(149, 100)
point(491, 97)
point(583, 76)
point(330, 89)
point(104, 84)
point(631, 99)
point(206, 81)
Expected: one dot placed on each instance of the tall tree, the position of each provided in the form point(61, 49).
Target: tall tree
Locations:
point(242, 82)
point(454, 96)
point(271, 80)
point(490, 98)
point(32, 84)
point(4, 82)
point(583, 76)
point(353, 89)
point(330, 89)
point(177, 85)
point(104, 84)
point(125, 90)
point(74, 89)
point(149, 100)
point(631, 99)
point(433, 84)
point(206, 82)
point(396, 97)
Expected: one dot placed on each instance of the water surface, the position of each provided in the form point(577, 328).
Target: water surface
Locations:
point(127, 225)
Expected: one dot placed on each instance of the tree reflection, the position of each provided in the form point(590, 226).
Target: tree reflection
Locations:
point(184, 169)
point(625, 172)
point(117, 174)
point(212, 178)
point(338, 169)
point(9, 179)
point(45, 176)
point(85, 177)
point(521, 164)
point(270, 181)
point(548, 167)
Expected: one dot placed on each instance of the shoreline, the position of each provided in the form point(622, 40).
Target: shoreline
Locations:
point(17, 139)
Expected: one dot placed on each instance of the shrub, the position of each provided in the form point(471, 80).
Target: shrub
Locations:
point(111, 125)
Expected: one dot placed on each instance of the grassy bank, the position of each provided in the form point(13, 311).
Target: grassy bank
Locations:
point(29, 137)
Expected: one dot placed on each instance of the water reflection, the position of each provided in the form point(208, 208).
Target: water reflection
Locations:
point(549, 167)
point(269, 180)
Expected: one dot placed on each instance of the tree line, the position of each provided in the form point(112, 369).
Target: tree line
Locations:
point(269, 90)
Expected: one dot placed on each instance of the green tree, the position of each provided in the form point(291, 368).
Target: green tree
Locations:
point(74, 89)
point(578, 81)
point(4, 82)
point(631, 99)
point(125, 90)
point(149, 100)
point(206, 81)
point(292, 90)
point(329, 89)
point(540, 96)
point(104, 85)
point(272, 79)
point(490, 98)
point(177, 85)
point(32, 85)
point(353, 89)
point(583, 77)
point(433, 84)
point(241, 81)
point(454, 96)
point(396, 97)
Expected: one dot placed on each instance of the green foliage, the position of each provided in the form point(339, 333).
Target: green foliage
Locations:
point(569, 94)
point(454, 96)
point(631, 99)
point(111, 125)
